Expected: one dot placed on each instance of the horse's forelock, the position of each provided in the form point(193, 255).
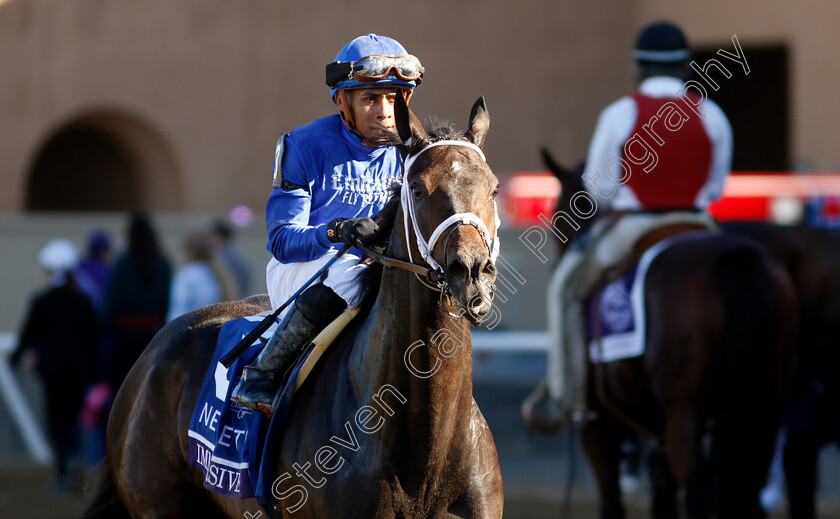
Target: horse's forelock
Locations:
point(440, 130)
point(436, 130)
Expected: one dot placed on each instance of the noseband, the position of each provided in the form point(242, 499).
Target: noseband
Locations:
point(433, 276)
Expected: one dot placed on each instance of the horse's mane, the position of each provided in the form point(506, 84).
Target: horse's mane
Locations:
point(436, 130)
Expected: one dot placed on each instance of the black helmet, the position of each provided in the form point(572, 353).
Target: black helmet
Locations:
point(661, 44)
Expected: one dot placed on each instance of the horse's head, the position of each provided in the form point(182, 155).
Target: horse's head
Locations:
point(571, 182)
point(448, 205)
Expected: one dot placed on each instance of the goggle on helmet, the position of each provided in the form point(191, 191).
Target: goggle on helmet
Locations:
point(376, 69)
point(373, 60)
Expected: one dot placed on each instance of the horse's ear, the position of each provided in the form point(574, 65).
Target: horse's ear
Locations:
point(408, 125)
point(563, 174)
point(479, 123)
point(551, 164)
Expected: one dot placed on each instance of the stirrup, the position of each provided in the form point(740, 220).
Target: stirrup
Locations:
point(268, 409)
point(549, 418)
point(282, 378)
point(256, 388)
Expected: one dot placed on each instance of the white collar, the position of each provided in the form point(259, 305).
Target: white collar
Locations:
point(661, 86)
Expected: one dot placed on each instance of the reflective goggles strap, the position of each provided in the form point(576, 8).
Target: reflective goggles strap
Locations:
point(338, 71)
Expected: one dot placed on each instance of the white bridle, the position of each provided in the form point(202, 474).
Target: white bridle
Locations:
point(425, 247)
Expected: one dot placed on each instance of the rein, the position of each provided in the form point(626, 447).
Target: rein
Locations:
point(432, 275)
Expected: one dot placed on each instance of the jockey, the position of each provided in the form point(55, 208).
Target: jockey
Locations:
point(693, 158)
point(330, 178)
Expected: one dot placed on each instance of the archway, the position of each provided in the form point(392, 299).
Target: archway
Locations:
point(103, 161)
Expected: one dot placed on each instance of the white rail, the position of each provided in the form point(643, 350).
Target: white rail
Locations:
point(12, 396)
point(510, 342)
point(39, 449)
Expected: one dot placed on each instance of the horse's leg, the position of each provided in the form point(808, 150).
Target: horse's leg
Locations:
point(145, 449)
point(153, 482)
point(663, 486)
point(800, 460)
point(682, 450)
point(741, 451)
point(601, 439)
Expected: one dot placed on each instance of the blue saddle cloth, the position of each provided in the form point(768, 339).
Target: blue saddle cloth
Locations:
point(234, 446)
point(620, 313)
point(620, 307)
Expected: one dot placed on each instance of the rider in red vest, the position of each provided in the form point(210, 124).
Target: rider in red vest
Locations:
point(657, 158)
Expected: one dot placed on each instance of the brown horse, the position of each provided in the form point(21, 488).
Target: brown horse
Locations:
point(386, 426)
point(711, 384)
point(811, 256)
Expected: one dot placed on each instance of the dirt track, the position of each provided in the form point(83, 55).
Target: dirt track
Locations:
point(24, 494)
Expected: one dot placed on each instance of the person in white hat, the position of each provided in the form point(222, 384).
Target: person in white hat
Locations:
point(61, 332)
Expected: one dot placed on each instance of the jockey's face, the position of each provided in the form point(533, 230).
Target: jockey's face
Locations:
point(371, 109)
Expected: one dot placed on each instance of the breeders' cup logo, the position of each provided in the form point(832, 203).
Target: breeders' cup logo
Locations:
point(240, 410)
point(616, 309)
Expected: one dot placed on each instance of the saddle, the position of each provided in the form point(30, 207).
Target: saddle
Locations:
point(228, 442)
point(644, 242)
point(612, 275)
point(320, 344)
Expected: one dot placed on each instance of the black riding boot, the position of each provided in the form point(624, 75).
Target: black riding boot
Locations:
point(314, 309)
point(260, 380)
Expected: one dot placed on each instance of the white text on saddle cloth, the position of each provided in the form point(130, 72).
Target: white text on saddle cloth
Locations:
point(456, 219)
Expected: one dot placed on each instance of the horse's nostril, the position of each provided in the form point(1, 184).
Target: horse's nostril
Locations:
point(488, 269)
point(457, 267)
point(470, 269)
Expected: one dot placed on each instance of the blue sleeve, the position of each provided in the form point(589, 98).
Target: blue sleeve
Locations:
point(290, 237)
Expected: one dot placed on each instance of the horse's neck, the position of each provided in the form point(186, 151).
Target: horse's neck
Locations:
point(404, 345)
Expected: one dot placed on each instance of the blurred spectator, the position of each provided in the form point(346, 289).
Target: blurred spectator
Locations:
point(92, 273)
point(60, 334)
point(236, 265)
point(92, 278)
point(201, 280)
point(136, 301)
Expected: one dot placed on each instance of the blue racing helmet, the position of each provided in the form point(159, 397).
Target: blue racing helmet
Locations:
point(373, 60)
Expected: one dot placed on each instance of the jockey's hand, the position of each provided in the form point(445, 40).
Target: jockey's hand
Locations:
point(348, 230)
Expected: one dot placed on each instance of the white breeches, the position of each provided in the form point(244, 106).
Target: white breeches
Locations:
point(344, 277)
point(617, 241)
point(575, 277)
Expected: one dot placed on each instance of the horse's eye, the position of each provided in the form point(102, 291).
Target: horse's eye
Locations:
point(416, 191)
point(495, 191)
